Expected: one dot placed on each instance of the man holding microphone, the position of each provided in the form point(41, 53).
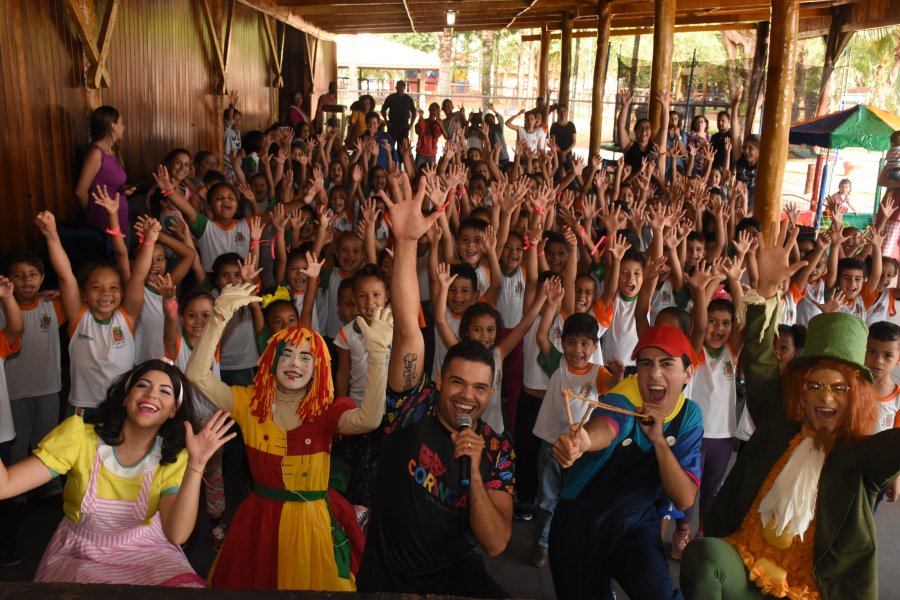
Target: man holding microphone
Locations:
point(423, 513)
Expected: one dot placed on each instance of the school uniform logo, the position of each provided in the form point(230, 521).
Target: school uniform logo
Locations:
point(878, 310)
point(665, 296)
point(520, 288)
point(118, 336)
point(729, 369)
point(45, 321)
point(239, 237)
point(585, 390)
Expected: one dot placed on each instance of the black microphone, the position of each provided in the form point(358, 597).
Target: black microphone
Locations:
point(465, 463)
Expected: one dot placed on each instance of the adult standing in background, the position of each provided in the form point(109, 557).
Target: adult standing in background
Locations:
point(324, 100)
point(103, 168)
point(399, 111)
point(295, 113)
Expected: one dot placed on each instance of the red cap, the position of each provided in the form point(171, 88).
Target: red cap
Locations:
point(667, 338)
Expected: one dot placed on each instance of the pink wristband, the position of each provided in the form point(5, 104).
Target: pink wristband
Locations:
point(116, 232)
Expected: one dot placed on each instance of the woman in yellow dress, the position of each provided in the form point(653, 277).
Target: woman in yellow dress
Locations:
point(291, 532)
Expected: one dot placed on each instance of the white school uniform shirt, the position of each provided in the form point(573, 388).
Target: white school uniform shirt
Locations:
point(35, 370)
point(883, 308)
point(621, 337)
point(98, 353)
point(534, 375)
point(342, 222)
point(298, 297)
point(887, 411)
point(237, 350)
point(663, 297)
point(791, 300)
point(857, 307)
point(713, 389)
point(214, 240)
point(551, 421)
point(148, 335)
point(806, 310)
point(331, 320)
point(203, 408)
point(511, 299)
point(493, 413)
point(7, 427)
point(350, 338)
point(440, 349)
point(484, 279)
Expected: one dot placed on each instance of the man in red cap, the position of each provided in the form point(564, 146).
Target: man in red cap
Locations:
point(606, 525)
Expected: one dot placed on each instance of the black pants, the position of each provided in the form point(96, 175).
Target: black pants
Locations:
point(527, 447)
point(584, 559)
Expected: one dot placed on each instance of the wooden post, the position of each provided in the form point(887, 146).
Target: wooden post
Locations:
point(756, 73)
point(835, 42)
point(604, 17)
point(778, 101)
point(565, 65)
point(663, 43)
point(544, 66)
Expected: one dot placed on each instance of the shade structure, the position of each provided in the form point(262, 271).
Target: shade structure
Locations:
point(862, 126)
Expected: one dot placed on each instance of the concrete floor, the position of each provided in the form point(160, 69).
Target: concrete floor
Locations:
point(512, 569)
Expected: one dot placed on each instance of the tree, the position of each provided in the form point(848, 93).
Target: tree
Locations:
point(875, 64)
point(487, 51)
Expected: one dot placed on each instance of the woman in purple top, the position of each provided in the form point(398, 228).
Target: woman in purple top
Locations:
point(102, 168)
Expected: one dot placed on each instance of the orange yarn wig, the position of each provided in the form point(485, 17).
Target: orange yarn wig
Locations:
point(859, 422)
point(319, 394)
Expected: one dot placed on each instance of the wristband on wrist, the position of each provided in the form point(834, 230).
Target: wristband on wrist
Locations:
point(167, 192)
point(148, 243)
point(116, 232)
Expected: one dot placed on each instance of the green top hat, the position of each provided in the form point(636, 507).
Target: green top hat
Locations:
point(839, 336)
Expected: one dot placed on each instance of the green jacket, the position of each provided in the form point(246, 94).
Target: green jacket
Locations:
point(844, 561)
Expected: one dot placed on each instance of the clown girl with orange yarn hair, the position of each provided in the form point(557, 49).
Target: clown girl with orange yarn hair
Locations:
point(794, 518)
point(292, 532)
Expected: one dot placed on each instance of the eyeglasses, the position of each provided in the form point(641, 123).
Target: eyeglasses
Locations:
point(838, 390)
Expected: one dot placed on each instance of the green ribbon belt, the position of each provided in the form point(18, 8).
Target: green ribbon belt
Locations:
point(338, 536)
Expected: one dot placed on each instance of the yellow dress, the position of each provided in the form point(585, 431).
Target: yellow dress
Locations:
point(285, 534)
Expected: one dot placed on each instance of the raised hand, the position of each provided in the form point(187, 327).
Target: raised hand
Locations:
point(380, 332)
point(101, 198)
point(232, 298)
point(246, 192)
point(162, 179)
point(702, 276)
point(255, 225)
point(280, 219)
point(6, 288)
point(444, 278)
point(835, 303)
point(163, 284)
point(405, 210)
point(150, 229)
point(249, 270)
point(773, 258)
point(553, 289)
point(313, 267)
point(203, 444)
point(617, 245)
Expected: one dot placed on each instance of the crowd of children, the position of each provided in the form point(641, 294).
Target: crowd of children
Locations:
point(558, 267)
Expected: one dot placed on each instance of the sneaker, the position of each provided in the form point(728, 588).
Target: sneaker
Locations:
point(217, 536)
point(539, 556)
point(523, 512)
point(680, 539)
point(11, 558)
point(362, 515)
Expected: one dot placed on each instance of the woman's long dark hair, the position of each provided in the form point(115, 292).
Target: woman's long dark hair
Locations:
point(112, 413)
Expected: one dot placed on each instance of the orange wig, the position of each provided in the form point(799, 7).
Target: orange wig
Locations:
point(319, 394)
point(862, 414)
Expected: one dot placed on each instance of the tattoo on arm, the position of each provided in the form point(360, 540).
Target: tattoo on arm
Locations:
point(409, 369)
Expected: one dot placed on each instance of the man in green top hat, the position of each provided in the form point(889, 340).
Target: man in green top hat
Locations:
point(794, 517)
